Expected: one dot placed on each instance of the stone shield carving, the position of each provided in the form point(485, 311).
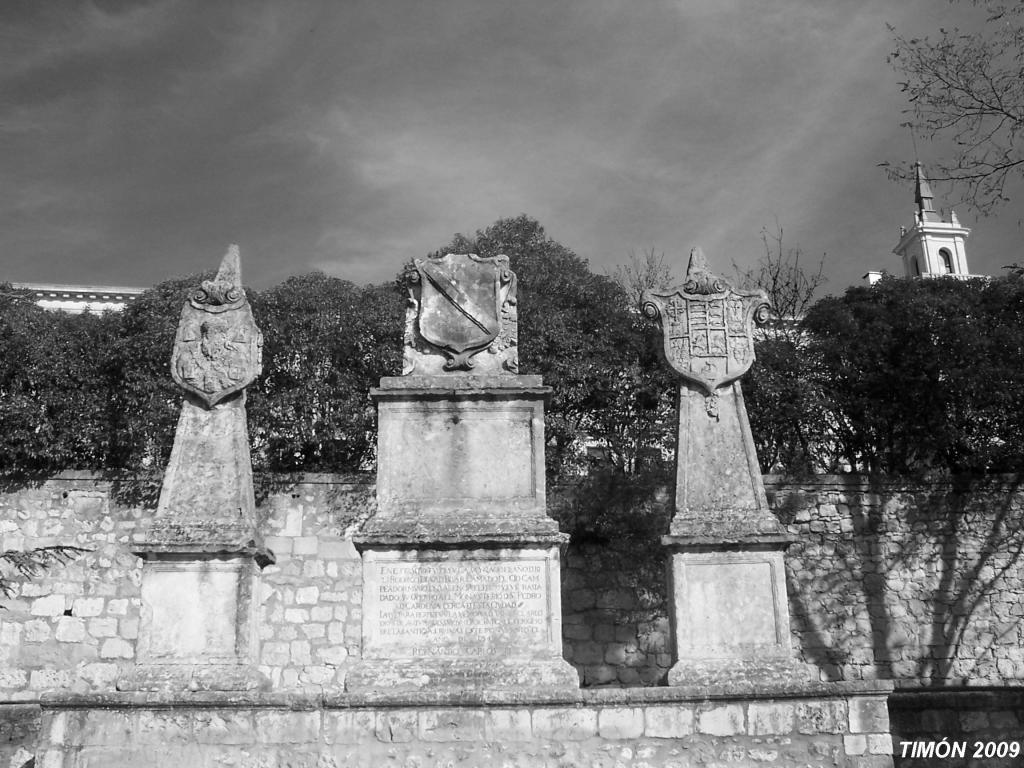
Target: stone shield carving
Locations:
point(707, 326)
point(218, 350)
point(464, 304)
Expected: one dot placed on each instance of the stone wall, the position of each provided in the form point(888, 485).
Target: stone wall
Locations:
point(663, 728)
point(914, 583)
point(920, 583)
point(75, 628)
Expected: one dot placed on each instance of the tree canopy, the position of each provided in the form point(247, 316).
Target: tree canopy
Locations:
point(909, 377)
point(906, 376)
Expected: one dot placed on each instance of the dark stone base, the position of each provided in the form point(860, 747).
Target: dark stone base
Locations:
point(170, 678)
point(740, 674)
point(440, 675)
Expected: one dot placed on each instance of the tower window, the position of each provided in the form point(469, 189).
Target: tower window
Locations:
point(947, 261)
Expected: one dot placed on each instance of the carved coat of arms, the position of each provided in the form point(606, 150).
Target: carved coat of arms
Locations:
point(218, 350)
point(461, 305)
point(707, 326)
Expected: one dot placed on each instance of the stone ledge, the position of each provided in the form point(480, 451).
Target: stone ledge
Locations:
point(915, 697)
point(579, 698)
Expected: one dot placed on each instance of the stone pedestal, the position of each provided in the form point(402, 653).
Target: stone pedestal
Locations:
point(461, 562)
point(727, 579)
point(202, 549)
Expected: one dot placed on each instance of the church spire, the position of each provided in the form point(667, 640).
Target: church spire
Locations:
point(936, 244)
point(923, 195)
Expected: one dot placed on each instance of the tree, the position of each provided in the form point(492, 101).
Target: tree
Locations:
point(784, 404)
point(326, 343)
point(640, 274)
point(578, 330)
point(968, 87)
point(54, 387)
point(924, 375)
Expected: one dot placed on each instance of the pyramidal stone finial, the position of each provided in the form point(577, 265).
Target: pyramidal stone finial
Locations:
point(230, 268)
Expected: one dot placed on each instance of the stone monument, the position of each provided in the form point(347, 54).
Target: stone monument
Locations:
point(461, 561)
point(728, 603)
point(202, 548)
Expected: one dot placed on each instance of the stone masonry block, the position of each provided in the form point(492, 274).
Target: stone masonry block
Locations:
point(287, 727)
point(116, 648)
point(51, 605)
point(349, 726)
point(507, 725)
point(396, 726)
point(307, 595)
point(117, 607)
point(305, 545)
point(70, 629)
point(451, 725)
point(87, 606)
point(667, 721)
point(564, 724)
point(620, 723)
point(880, 743)
point(224, 727)
point(106, 627)
point(770, 718)
point(815, 717)
point(855, 744)
point(724, 720)
point(869, 715)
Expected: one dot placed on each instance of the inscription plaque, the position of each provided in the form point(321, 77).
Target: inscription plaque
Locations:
point(458, 607)
point(190, 615)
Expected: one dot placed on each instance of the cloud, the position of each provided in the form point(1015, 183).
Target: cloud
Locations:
point(141, 138)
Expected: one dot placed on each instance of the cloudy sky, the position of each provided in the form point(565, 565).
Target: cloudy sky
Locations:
point(139, 139)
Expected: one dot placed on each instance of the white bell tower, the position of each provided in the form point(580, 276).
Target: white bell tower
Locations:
point(936, 244)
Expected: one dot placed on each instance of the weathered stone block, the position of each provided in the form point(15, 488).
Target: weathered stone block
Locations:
point(224, 727)
point(165, 727)
point(116, 648)
point(620, 723)
point(105, 627)
point(87, 606)
point(70, 629)
point(564, 724)
point(507, 725)
point(51, 605)
point(726, 720)
point(287, 727)
point(772, 718)
point(880, 743)
point(396, 726)
point(667, 721)
point(816, 717)
point(451, 725)
point(855, 744)
point(868, 715)
point(353, 726)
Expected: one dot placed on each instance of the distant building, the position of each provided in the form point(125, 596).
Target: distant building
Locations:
point(936, 245)
point(76, 299)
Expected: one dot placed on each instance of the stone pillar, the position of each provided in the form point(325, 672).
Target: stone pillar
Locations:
point(727, 581)
point(202, 550)
point(461, 561)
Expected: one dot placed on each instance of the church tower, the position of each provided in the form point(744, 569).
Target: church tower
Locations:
point(936, 244)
